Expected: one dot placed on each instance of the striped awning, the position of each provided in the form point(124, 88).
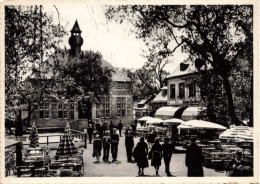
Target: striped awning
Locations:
point(191, 113)
point(166, 112)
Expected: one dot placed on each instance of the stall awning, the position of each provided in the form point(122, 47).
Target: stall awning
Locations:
point(191, 113)
point(166, 112)
point(10, 142)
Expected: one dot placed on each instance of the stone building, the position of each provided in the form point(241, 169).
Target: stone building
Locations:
point(117, 106)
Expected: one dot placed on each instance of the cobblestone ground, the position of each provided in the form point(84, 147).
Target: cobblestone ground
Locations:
point(124, 168)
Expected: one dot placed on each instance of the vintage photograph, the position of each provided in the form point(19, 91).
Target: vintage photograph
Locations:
point(95, 90)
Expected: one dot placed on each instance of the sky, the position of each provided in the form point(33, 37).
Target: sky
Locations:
point(117, 44)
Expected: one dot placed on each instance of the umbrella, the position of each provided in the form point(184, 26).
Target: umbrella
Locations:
point(34, 137)
point(66, 146)
point(174, 121)
point(200, 124)
point(154, 120)
point(145, 118)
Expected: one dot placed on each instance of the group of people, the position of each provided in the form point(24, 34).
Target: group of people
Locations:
point(141, 153)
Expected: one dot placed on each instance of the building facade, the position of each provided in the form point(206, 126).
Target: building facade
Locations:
point(116, 106)
point(183, 95)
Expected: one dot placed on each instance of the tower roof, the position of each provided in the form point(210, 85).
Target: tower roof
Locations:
point(76, 28)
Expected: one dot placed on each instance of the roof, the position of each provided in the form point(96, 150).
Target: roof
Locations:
point(159, 98)
point(177, 72)
point(76, 28)
point(117, 75)
point(142, 101)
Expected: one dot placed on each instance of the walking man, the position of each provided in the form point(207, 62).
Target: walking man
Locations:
point(114, 144)
point(90, 132)
point(167, 155)
point(111, 126)
point(120, 127)
point(106, 146)
point(194, 159)
point(129, 144)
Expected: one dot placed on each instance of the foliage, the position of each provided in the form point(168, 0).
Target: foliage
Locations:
point(30, 37)
point(214, 34)
point(84, 77)
point(147, 80)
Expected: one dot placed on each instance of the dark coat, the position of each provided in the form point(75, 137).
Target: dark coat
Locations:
point(194, 160)
point(237, 170)
point(167, 151)
point(156, 154)
point(129, 141)
point(120, 126)
point(114, 138)
point(97, 147)
point(90, 130)
point(140, 154)
point(106, 142)
point(151, 138)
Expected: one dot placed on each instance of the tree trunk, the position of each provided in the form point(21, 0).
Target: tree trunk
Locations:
point(251, 115)
point(231, 107)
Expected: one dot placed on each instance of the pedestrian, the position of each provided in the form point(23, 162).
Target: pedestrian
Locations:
point(194, 159)
point(127, 129)
point(90, 132)
point(114, 144)
point(100, 130)
point(106, 146)
point(237, 165)
point(111, 127)
point(120, 127)
point(129, 144)
point(104, 127)
point(134, 129)
point(97, 147)
point(156, 152)
point(167, 149)
point(140, 156)
point(151, 138)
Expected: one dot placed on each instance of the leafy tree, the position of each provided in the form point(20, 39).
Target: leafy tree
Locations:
point(215, 34)
point(30, 38)
point(147, 80)
point(84, 79)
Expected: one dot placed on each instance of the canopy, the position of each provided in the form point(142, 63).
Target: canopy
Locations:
point(154, 120)
point(34, 137)
point(174, 121)
point(243, 133)
point(191, 113)
point(145, 118)
point(166, 112)
point(200, 124)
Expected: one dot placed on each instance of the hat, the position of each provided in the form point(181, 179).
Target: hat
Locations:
point(193, 139)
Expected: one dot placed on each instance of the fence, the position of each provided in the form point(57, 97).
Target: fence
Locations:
point(74, 133)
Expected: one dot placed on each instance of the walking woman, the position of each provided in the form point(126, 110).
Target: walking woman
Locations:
point(156, 155)
point(97, 147)
point(140, 156)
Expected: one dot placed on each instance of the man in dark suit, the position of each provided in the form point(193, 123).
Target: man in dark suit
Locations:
point(167, 155)
point(129, 144)
point(90, 132)
point(120, 127)
point(114, 144)
point(194, 159)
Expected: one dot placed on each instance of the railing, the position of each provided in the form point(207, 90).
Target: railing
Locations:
point(74, 133)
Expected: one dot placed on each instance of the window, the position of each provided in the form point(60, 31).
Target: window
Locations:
point(191, 90)
point(121, 106)
point(44, 111)
point(62, 111)
point(181, 90)
point(118, 86)
point(105, 112)
point(172, 91)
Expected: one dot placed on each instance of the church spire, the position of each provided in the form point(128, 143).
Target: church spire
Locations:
point(75, 40)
